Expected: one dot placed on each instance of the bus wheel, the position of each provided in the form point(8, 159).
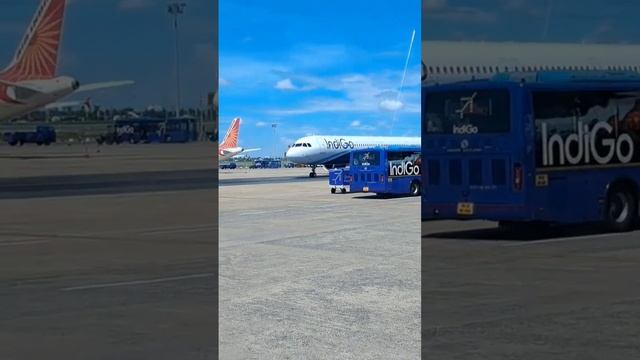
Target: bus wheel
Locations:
point(333, 190)
point(621, 209)
point(414, 189)
point(343, 190)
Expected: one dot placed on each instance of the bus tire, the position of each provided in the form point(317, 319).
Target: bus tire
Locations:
point(343, 190)
point(621, 209)
point(414, 188)
point(333, 190)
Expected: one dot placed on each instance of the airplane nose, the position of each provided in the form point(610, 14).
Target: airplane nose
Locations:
point(292, 154)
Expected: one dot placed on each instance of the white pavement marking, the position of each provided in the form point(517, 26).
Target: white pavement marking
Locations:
point(138, 282)
point(584, 237)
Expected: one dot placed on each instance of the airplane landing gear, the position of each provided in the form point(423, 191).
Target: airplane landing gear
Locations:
point(312, 174)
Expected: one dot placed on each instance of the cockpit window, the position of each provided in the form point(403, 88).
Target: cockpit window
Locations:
point(308, 145)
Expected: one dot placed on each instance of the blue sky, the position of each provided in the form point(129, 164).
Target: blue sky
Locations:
point(576, 21)
point(126, 40)
point(318, 67)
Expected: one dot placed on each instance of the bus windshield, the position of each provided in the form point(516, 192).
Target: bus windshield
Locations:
point(467, 112)
point(367, 158)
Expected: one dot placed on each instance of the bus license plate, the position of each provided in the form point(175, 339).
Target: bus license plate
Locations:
point(365, 189)
point(465, 208)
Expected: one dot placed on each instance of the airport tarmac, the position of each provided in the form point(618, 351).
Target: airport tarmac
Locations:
point(93, 159)
point(573, 293)
point(305, 274)
point(117, 264)
point(231, 177)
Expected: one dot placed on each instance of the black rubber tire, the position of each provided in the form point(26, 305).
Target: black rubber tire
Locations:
point(312, 174)
point(333, 190)
point(414, 189)
point(343, 190)
point(621, 209)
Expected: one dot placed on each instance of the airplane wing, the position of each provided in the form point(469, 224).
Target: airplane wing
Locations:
point(242, 154)
point(104, 85)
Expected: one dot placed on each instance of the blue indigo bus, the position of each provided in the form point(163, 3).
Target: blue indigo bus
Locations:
point(386, 170)
point(152, 130)
point(535, 148)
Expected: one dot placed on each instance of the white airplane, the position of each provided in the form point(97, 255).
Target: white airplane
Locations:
point(333, 150)
point(229, 146)
point(451, 61)
point(30, 82)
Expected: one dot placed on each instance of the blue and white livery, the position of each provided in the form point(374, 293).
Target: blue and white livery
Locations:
point(332, 151)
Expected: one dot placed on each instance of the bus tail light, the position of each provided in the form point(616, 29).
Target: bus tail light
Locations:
point(518, 177)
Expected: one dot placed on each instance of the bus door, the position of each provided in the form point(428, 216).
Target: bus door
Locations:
point(474, 152)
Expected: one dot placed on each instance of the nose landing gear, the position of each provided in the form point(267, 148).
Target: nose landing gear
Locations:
point(312, 174)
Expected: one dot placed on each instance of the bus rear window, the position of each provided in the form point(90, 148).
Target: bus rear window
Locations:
point(467, 112)
point(367, 158)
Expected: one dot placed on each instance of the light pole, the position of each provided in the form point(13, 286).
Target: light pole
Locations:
point(176, 9)
point(275, 142)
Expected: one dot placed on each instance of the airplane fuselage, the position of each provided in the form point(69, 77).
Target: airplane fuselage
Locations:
point(333, 150)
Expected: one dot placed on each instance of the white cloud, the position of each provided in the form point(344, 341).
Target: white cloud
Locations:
point(391, 104)
point(358, 125)
point(262, 124)
point(342, 92)
point(359, 93)
point(134, 4)
point(285, 84)
point(250, 73)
